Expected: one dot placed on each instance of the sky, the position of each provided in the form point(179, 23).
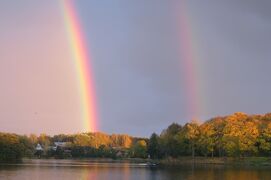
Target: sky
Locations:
point(138, 63)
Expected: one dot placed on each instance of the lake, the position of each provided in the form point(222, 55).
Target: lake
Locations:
point(85, 169)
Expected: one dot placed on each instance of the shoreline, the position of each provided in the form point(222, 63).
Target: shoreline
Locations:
point(224, 161)
point(168, 162)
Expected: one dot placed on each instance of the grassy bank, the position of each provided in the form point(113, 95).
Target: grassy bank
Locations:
point(181, 161)
point(243, 161)
point(96, 160)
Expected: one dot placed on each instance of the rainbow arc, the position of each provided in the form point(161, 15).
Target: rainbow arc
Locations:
point(82, 61)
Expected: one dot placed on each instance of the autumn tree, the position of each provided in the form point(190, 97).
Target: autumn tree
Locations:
point(190, 133)
point(82, 140)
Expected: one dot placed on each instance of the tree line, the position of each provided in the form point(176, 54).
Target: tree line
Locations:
point(83, 145)
point(235, 135)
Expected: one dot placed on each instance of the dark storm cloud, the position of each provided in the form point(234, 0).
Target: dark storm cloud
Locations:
point(135, 46)
point(237, 53)
point(137, 67)
point(138, 62)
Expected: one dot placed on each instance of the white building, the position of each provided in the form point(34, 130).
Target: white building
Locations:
point(58, 144)
point(39, 148)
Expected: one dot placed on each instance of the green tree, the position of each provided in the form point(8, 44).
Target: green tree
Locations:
point(27, 146)
point(169, 142)
point(153, 146)
point(139, 149)
point(10, 148)
point(264, 139)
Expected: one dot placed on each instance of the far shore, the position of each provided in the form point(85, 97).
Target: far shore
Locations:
point(181, 161)
point(227, 161)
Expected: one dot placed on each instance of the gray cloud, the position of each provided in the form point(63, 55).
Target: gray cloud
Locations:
point(138, 67)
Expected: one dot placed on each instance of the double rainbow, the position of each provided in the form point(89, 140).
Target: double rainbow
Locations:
point(85, 76)
point(82, 64)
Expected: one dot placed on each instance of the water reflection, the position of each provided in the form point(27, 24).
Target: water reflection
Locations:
point(85, 170)
point(107, 171)
point(217, 172)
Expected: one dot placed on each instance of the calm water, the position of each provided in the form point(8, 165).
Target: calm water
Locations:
point(72, 169)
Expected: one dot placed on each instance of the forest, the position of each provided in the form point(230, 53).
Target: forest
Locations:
point(236, 135)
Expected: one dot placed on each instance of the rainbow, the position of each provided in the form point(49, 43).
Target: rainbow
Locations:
point(191, 66)
point(82, 64)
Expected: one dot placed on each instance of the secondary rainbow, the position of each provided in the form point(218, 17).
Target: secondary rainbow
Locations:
point(82, 62)
point(191, 65)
